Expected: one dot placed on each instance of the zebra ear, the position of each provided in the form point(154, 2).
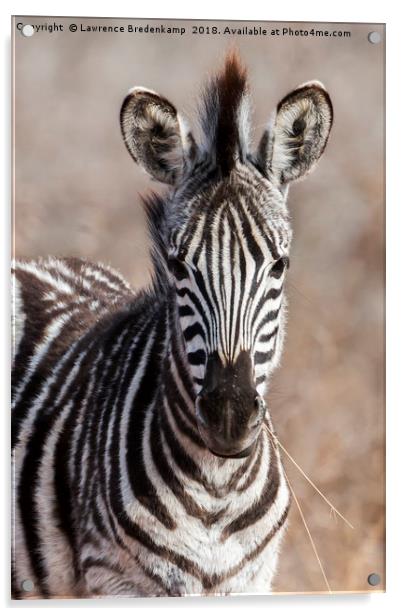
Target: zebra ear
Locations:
point(155, 135)
point(298, 134)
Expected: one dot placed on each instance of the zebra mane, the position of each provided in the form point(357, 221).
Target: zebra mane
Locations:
point(224, 114)
point(155, 209)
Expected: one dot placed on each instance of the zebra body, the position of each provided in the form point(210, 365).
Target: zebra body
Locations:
point(143, 457)
point(110, 536)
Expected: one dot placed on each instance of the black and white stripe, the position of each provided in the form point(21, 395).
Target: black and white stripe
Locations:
point(115, 488)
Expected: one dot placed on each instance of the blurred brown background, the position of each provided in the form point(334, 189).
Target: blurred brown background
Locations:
point(76, 193)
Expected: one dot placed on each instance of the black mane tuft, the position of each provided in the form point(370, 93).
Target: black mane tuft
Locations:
point(225, 114)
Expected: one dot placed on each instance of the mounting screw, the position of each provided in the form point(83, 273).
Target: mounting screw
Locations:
point(27, 585)
point(374, 37)
point(374, 579)
point(27, 30)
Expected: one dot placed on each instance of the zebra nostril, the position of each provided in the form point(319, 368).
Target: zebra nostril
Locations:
point(259, 404)
point(259, 413)
point(199, 410)
point(199, 415)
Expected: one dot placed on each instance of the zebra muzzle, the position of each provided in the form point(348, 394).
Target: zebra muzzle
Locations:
point(229, 410)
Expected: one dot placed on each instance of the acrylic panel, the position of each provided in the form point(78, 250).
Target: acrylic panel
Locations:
point(198, 308)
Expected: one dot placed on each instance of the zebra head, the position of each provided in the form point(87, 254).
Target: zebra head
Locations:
point(222, 236)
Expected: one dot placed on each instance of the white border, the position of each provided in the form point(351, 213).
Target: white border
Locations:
point(292, 10)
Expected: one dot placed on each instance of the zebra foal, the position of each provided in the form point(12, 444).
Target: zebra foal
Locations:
point(142, 463)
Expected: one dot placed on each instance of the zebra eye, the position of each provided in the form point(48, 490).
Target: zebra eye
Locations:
point(279, 266)
point(177, 268)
